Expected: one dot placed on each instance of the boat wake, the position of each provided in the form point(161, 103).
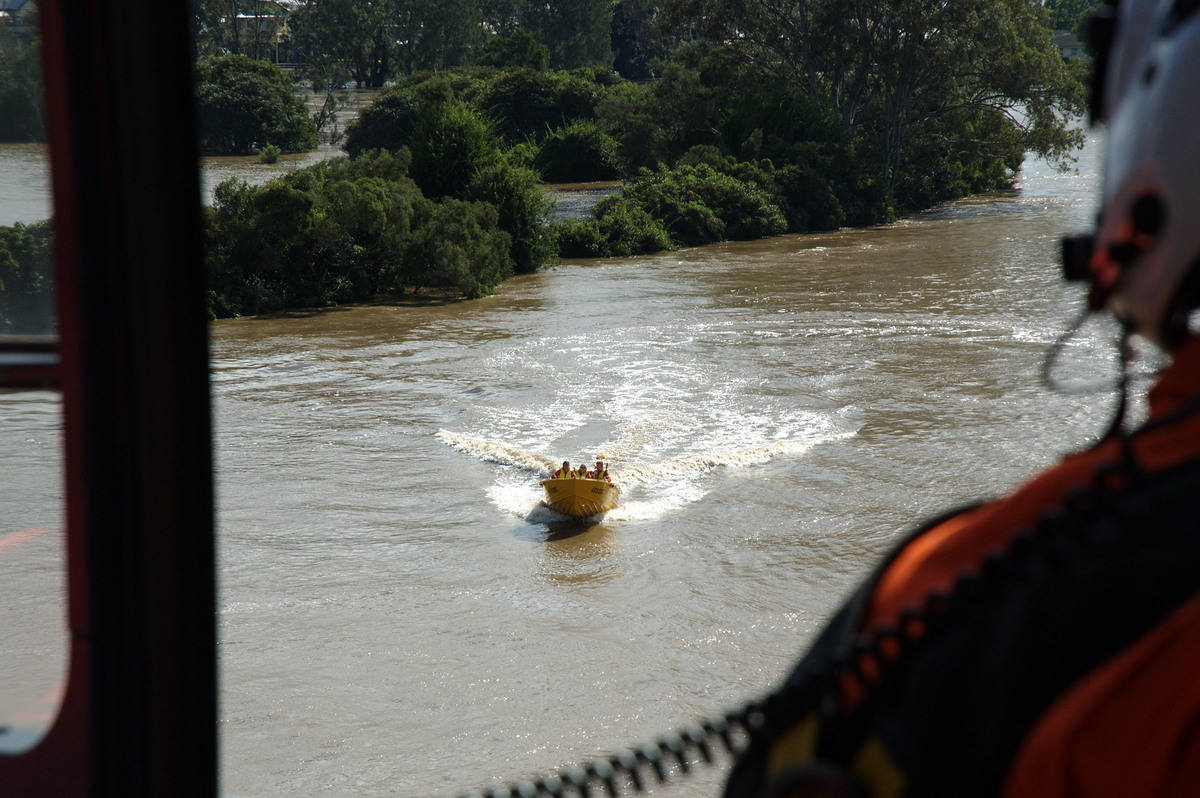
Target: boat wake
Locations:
point(499, 453)
point(675, 481)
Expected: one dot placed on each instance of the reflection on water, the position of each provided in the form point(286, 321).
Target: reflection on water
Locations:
point(579, 554)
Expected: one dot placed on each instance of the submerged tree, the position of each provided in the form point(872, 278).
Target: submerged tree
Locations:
point(896, 74)
point(245, 105)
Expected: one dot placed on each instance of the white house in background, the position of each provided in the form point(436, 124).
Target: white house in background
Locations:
point(1069, 45)
point(263, 28)
point(18, 22)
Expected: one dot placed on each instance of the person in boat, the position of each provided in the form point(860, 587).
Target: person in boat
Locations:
point(601, 472)
point(1045, 643)
point(583, 472)
point(564, 472)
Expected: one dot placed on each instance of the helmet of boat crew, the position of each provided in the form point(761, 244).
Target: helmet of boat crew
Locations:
point(1142, 258)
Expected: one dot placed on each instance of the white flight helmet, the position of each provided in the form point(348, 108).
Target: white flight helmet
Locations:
point(1142, 260)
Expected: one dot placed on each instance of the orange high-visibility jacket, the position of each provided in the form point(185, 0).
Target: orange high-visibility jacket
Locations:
point(1066, 662)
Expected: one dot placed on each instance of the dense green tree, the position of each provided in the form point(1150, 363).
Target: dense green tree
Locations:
point(578, 32)
point(577, 153)
point(348, 231)
point(523, 103)
point(21, 101)
point(245, 105)
point(386, 124)
point(1072, 15)
point(624, 230)
point(503, 17)
point(216, 27)
point(27, 279)
point(893, 73)
point(320, 236)
point(658, 121)
point(437, 34)
point(522, 209)
point(355, 34)
point(699, 205)
point(451, 143)
point(526, 102)
point(686, 206)
point(457, 246)
point(518, 50)
point(638, 40)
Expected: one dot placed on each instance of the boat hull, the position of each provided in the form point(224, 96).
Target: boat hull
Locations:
point(580, 498)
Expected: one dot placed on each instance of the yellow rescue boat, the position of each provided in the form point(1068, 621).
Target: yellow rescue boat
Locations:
point(580, 498)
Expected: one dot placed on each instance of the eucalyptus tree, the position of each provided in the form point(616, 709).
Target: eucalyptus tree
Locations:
point(637, 38)
point(578, 32)
point(217, 26)
point(1072, 15)
point(912, 80)
point(359, 35)
point(503, 17)
point(436, 34)
point(21, 105)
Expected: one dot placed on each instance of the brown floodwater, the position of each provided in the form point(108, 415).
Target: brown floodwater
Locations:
point(398, 616)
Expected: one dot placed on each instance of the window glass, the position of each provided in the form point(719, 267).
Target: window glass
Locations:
point(33, 655)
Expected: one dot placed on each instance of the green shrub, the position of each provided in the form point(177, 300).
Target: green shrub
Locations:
point(579, 238)
point(629, 230)
point(527, 102)
point(451, 143)
point(386, 124)
point(269, 154)
point(27, 278)
point(623, 231)
point(522, 209)
point(520, 50)
point(457, 247)
point(699, 205)
point(578, 153)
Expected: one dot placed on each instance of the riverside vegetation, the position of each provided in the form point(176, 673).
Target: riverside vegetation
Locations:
point(737, 126)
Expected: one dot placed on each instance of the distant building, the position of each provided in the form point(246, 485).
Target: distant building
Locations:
point(263, 28)
point(1069, 45)
point(18, 23)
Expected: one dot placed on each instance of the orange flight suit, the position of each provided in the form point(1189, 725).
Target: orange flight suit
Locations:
point(999, 689)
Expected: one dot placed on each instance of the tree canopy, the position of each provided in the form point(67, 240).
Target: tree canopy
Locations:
point(1072, 15)
point(27, 279)
point(745, 120)
point(908, 78)
point(244, 105)
point(21, 103)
